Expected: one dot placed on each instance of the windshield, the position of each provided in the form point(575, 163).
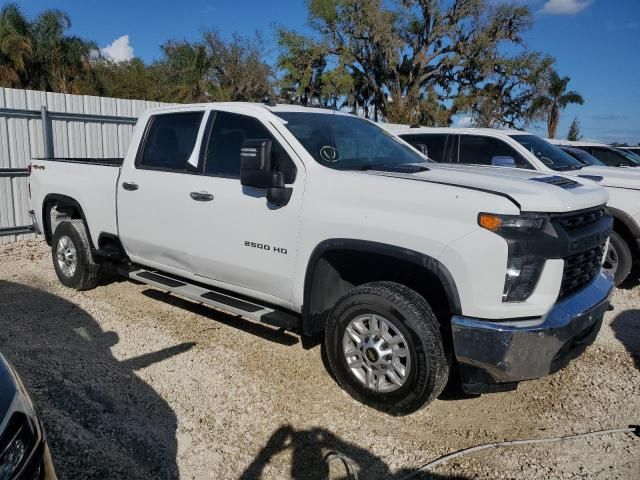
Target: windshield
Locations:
point(548, 154)
point(345, 142)
point(583, 157)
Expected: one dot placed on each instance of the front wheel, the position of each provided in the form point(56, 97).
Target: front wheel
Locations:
point(384, 346)
point(618, 260)
point(72, 257)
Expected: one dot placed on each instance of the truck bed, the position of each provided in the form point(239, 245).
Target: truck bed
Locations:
point(91, 182)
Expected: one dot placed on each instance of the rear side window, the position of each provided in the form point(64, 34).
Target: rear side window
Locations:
point(476, 150)
point(435, 143)
point(230, 130)
point(170, 140)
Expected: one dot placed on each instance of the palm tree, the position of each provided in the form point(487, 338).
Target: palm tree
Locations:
point(186, 66)
point(555, 99)
point(15, 46)
point(58, 59)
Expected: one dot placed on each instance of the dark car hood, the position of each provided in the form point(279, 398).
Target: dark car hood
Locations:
point(7, 387)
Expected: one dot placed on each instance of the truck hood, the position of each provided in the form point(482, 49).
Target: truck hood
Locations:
point(518, 185)
point(620, 177)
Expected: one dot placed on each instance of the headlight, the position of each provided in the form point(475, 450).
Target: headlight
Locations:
point(18, 440)
point(20, 431)
point(506, 224)
point(522, 272)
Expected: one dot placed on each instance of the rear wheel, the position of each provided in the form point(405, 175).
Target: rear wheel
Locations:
point(72, 257)
point(384, 346)
point(618, 260)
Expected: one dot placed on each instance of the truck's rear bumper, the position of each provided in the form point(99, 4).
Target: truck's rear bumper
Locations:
point(496, 355)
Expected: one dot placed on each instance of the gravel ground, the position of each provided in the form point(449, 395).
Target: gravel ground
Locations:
point(133, 383)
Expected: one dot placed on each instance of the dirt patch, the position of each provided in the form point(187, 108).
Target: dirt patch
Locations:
point(133, 383)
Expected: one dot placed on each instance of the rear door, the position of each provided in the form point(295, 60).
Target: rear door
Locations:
point(238, 238)
point(154, 194)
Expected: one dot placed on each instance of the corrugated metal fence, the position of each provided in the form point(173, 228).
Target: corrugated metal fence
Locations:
point(43, 124)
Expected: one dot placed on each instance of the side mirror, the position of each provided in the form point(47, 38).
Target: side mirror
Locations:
point(255, 171)
point(422, 148)
point(255, 155)
point(503, 161)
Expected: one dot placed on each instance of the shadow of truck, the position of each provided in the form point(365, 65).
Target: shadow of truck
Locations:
point(102, 421)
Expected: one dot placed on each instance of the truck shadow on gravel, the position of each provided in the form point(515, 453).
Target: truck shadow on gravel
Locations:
point(308, 448)
point(102, 421)
point(626, 327)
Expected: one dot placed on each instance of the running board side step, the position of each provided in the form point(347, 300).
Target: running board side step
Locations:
point(19, 230)
point(222, 301)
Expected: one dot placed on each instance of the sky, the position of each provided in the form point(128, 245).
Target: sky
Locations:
point(595, 42)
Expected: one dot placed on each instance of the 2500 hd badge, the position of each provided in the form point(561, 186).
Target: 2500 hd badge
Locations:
point(264, 246)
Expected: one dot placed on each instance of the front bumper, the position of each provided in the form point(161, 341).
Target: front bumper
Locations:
point(495, 356)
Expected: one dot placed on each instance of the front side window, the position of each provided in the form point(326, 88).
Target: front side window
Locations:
point(345, 142)
point(547, 153)
point(436, 144)
point(170, 140)
point(477, 150)
point(230, 130)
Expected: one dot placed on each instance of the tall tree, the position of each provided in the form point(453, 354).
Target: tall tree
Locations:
point(555, 99)
point(575, 131)
point(186, 69)
point(58, 59)
point(302, 61)
point(238, 68)
point(403, 50)
point(505, 98)
point(15, 45)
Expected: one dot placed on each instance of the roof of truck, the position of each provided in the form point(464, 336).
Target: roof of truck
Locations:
point(256, 106)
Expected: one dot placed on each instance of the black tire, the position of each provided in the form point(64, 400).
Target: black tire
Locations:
point(618, 259)
point(412, 317)
point(87, 272)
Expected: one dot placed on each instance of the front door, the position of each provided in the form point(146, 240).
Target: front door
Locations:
point(238, 238)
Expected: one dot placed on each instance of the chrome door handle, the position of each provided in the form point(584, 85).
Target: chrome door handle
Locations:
point(201, 196)
point(130, 186)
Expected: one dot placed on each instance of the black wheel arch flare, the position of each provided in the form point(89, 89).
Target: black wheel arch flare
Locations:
point(46, 219)
point(421, 260)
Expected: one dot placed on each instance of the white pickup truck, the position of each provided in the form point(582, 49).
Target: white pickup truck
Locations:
point(515, 148)
point(321, 222)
